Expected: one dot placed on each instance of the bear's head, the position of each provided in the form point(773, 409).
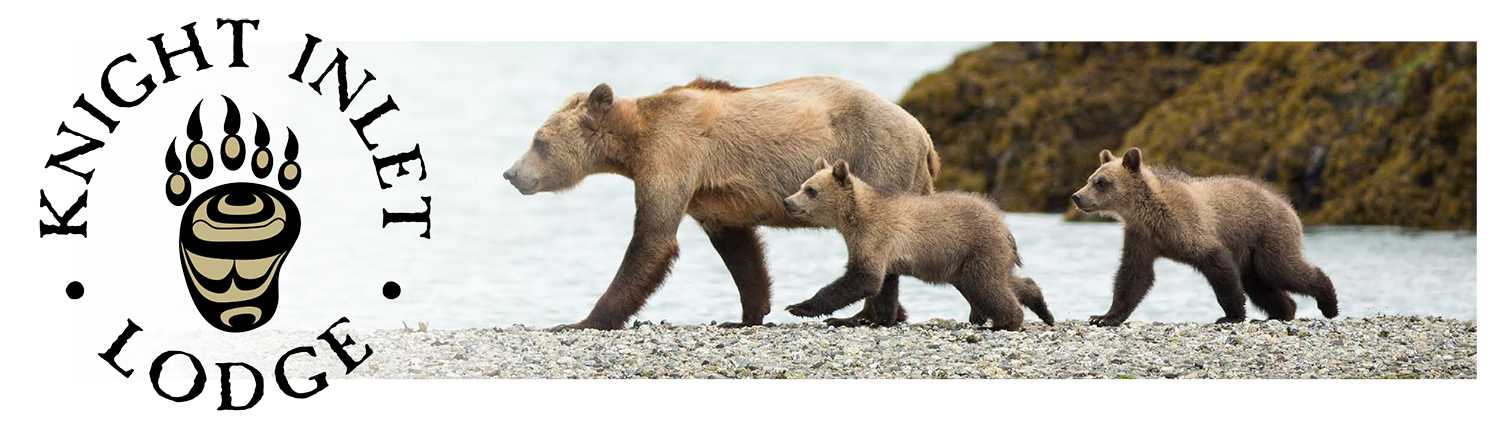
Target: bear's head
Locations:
point(826, 198)
point(1116, 186)
point(574, 142)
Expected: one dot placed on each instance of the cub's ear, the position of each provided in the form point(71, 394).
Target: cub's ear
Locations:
point(1105, 157)
point(1133, 159)
point(820, 165)
point(841, 171)
point(602, 97)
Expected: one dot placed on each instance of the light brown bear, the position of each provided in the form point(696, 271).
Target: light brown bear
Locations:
point(726, 156)
point(957, 238)
point(1240, 234)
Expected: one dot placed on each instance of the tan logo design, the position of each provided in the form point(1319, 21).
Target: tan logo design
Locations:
point(234, 238)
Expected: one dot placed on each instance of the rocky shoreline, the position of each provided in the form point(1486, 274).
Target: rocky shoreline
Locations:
point(1379, 347)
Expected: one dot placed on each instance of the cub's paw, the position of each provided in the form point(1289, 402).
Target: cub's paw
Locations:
point(884, 319)
point(1105, 320)
point(584, 325)
point(1229, 320)
point(1329, 307)
point(736, 325)
point(807, 309)
point(853, 321)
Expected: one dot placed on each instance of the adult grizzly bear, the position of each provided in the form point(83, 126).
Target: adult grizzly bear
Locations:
point(1241, 235)
point(726, 156)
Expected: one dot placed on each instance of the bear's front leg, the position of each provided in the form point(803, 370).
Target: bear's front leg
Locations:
point(882, 310)
point(648, 259)
point(1134, 277)
point(1224, 276)
point(743, 253)
point(859, 281)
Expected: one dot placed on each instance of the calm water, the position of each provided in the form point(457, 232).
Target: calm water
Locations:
point(498, 258)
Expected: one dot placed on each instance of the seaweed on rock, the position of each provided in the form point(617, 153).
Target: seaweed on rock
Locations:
point(1353, 133)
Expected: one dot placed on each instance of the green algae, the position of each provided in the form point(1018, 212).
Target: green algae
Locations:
point(1353, 133)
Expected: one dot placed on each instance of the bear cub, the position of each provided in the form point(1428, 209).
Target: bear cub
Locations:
point(1242, 236)
point(956, 238)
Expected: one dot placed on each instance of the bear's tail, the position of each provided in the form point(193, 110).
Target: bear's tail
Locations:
point(933, 162)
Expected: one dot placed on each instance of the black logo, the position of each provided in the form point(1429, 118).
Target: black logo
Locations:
point(234, 239)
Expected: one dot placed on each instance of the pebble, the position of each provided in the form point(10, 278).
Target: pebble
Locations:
point(1375, 347)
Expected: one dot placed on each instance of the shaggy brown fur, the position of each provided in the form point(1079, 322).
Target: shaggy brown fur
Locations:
point(709, 84)
point(725, 156)
point(1242, 236)
point(956, 238)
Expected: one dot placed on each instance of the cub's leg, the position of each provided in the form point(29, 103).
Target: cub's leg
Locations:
point(743, 253)
point(860, 318)
point(888, 311)
point(975, 317)
point(861, 280)
point(883, 309)
point(1030, 295)
point(988, 292)
point(1219, 267)
point(1291, 271)
point(1274, 301)
point(1132, 280)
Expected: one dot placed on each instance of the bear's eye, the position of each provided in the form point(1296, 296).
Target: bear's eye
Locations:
point(1101, 183)
point(539, 144)
point(812, 194)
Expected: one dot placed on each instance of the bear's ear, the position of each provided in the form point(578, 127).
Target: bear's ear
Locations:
point(1105, 157)
point(841, 171)
point(820, 165)
point(602, 97)
point(1133, 159)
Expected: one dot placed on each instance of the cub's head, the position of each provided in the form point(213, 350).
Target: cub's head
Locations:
point(573, 142)
point(826, 197)
point(1116, 186)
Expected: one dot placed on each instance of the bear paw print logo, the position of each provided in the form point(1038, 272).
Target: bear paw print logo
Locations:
point(234, 238)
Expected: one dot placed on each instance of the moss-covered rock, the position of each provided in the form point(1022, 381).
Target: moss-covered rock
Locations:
point(1354, 133)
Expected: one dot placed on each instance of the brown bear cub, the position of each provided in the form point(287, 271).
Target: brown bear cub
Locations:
point(956, 238)
point(1245, 238)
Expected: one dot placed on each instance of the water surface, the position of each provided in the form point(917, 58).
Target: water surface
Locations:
point(498, 258)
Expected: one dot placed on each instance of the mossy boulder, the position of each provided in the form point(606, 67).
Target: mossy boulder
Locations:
point(1354, 133)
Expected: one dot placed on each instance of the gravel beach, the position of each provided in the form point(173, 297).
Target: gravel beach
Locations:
point(1379, 347)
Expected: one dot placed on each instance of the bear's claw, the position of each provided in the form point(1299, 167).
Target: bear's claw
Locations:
point(1105, 321)
point(583, 325)
point(853, 321)
point(802, 310)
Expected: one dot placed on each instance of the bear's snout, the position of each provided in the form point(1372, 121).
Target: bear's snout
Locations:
point(523, 184)
point(791, 208)
point(1077, 200)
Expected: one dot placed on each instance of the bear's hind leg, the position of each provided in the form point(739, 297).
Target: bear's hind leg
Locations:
point(1224, 276)
point(975, 317)
point(744, 254)
point(1030, 295)
point(1293, 273)
point(1277, 304)
point(991, 296)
